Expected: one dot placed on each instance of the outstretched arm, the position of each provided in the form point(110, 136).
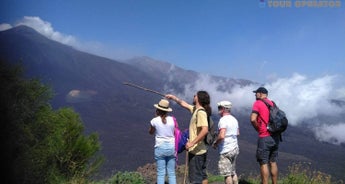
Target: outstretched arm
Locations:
point(181, 102)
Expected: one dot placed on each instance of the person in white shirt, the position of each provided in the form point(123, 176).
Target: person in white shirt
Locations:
point(227, 143)
point(163, 127)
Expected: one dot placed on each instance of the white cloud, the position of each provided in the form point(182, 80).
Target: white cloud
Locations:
point(340, 93)
point(46, 29)
point(301, 98)
point(5, 26)
point(331, 133)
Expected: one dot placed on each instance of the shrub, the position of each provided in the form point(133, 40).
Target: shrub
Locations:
point(301, 173)
point(127, 178)
point(41, 145)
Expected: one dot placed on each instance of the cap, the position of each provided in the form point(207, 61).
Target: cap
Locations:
point(261, 90)
point(225, 104)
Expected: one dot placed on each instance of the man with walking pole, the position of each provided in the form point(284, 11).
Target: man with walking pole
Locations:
point(198, 128)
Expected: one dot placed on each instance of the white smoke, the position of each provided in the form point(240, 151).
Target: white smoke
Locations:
point(301, 98)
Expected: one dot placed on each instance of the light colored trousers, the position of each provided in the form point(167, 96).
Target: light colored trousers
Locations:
point(166, 162)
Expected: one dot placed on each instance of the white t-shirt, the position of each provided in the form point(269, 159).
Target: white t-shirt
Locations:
point(230, 123)
point(164, 132)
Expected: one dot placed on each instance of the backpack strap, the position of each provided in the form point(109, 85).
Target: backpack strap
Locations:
point(208, 122)
point(269, 106)
point(208, 117)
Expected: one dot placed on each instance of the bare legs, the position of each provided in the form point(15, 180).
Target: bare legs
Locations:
point(266, 171)
point(205, 181)
point(274, 172)
point(231, 179)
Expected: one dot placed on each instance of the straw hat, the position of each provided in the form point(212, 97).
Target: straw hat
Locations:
point(163, 105)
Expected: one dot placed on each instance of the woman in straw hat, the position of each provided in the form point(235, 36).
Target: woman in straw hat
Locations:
point(164, 150)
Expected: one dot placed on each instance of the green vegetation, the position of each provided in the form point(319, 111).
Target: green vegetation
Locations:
point(302, 173)
point(299, 173)
point(124, 178)
point(42, 145)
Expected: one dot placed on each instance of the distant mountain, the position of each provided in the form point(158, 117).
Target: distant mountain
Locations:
point(177, 77)
point(120, 114)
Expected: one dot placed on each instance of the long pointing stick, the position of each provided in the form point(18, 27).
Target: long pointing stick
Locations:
point(146, 89)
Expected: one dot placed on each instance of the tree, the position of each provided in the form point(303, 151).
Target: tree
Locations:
point(41, 145)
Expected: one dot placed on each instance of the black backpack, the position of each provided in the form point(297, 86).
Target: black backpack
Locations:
point(278, 121)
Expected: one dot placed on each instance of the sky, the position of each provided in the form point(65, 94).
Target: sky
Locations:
point(232, 38)
point(296, 51)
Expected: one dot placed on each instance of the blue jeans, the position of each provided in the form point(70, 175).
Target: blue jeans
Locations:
point(166, 161)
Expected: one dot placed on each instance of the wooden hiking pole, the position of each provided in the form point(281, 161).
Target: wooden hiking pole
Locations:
point(143, 88)
point(185, 168)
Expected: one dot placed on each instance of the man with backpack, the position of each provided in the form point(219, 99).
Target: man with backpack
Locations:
point(198, 129)
point(268, 143)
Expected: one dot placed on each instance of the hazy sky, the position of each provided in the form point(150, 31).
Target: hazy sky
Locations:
point(297, 52)
point(232, 38)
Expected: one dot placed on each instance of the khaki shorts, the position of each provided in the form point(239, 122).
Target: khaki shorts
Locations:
point(227, 162)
